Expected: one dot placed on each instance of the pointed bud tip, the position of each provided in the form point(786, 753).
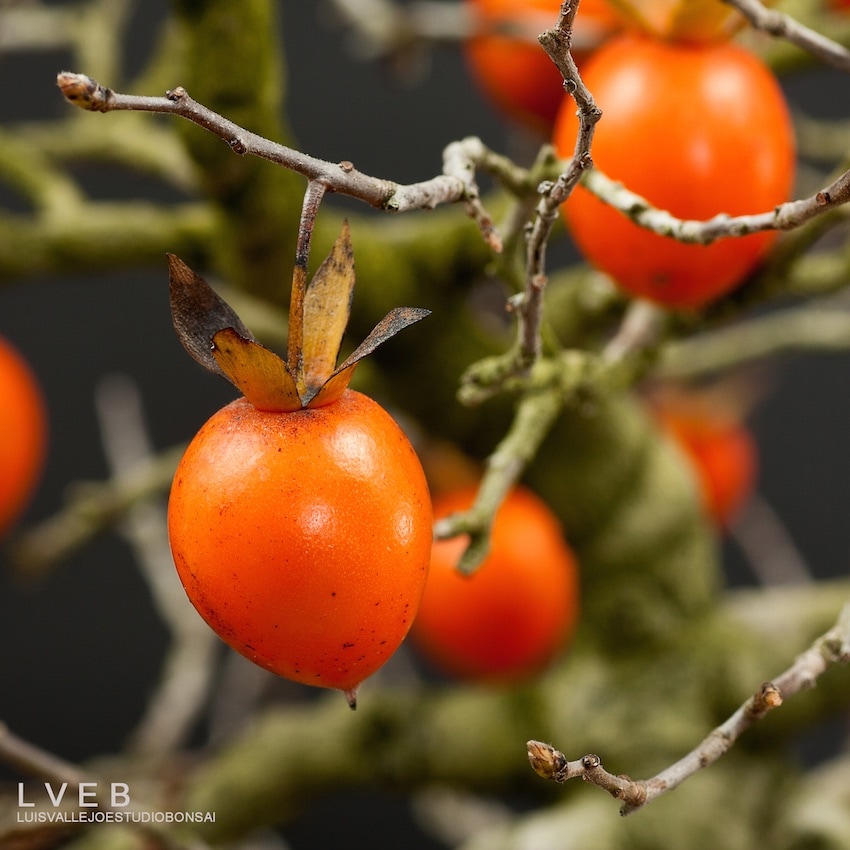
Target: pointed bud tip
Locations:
point(351, 697)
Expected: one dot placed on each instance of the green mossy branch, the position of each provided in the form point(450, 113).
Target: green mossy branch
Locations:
point(232, 63)
point(414, 738)
point(105, 236)
point(662, 654)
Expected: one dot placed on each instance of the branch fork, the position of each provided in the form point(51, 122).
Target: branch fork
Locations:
point(830, 649)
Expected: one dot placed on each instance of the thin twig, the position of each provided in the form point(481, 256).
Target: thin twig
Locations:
point(785, 216)
point(556, 42)
point(769, 549)
point(341, 177)
point(31, 760)
point(188, 668)
point(535, 414)
point(819, 327)
point(779, 24)
point(829, 649)
point(92, 506)
point(387, 29)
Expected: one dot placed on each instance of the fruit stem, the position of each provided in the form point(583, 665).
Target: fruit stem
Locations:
point(312, 199)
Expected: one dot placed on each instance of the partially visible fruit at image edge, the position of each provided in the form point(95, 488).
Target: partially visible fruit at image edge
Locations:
point(23, 434)
point(519, 608)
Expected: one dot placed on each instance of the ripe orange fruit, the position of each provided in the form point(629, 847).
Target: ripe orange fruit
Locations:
point(303, 538)
point(23, 434)
point(697, 131)
point(299, 517)
point(512, 69)
point(724, 457)
point(516, 611)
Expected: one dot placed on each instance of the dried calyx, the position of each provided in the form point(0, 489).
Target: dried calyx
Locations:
point(214, 335)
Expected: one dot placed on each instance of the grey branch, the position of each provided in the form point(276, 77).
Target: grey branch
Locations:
point(556, 42)
point(342, 177)
point(784, 26)
point(786, 216)
point(831, 648)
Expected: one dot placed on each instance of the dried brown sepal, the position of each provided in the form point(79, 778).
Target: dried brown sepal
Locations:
point(333, 388)
point(199, 314)
point(215, 336)
point(395, 321)
point(327, 307)
point(256, 371)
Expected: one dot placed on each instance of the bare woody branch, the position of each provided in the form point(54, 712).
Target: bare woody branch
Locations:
point(342, 177)
point(831, 648)
point(556, 42)
point(787, 216)
point(784, 26)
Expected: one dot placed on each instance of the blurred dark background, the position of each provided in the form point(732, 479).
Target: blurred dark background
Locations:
point(80, 649)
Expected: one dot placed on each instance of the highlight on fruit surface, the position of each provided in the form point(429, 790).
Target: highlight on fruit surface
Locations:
point(299, 516)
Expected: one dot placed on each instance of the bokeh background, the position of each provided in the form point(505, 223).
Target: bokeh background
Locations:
point(81, 647)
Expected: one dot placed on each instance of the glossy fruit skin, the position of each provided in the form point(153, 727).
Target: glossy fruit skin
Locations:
point(509, 618)
point(517, 75)
point(698, 131)
point(303, 538)
point(23, 434)
point(724, 457)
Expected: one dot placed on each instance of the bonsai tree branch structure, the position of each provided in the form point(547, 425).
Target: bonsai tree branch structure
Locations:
point(831, 648)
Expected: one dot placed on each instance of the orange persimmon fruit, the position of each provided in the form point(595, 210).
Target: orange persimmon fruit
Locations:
point(512, 70)
point(299, 517)
point(688, 21)
point(696, 130)
point(23, 434)
point(724, 457)
point(505, 621)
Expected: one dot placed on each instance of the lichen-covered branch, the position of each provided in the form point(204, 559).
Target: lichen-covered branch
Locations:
point(341, 177)
point(779, 24)
point(787, 216)
point(831, 648)
point(92, 507)
point(529, 307)
point(811, 327)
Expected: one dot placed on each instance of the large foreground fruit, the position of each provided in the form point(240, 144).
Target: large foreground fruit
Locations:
point(303, 537)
